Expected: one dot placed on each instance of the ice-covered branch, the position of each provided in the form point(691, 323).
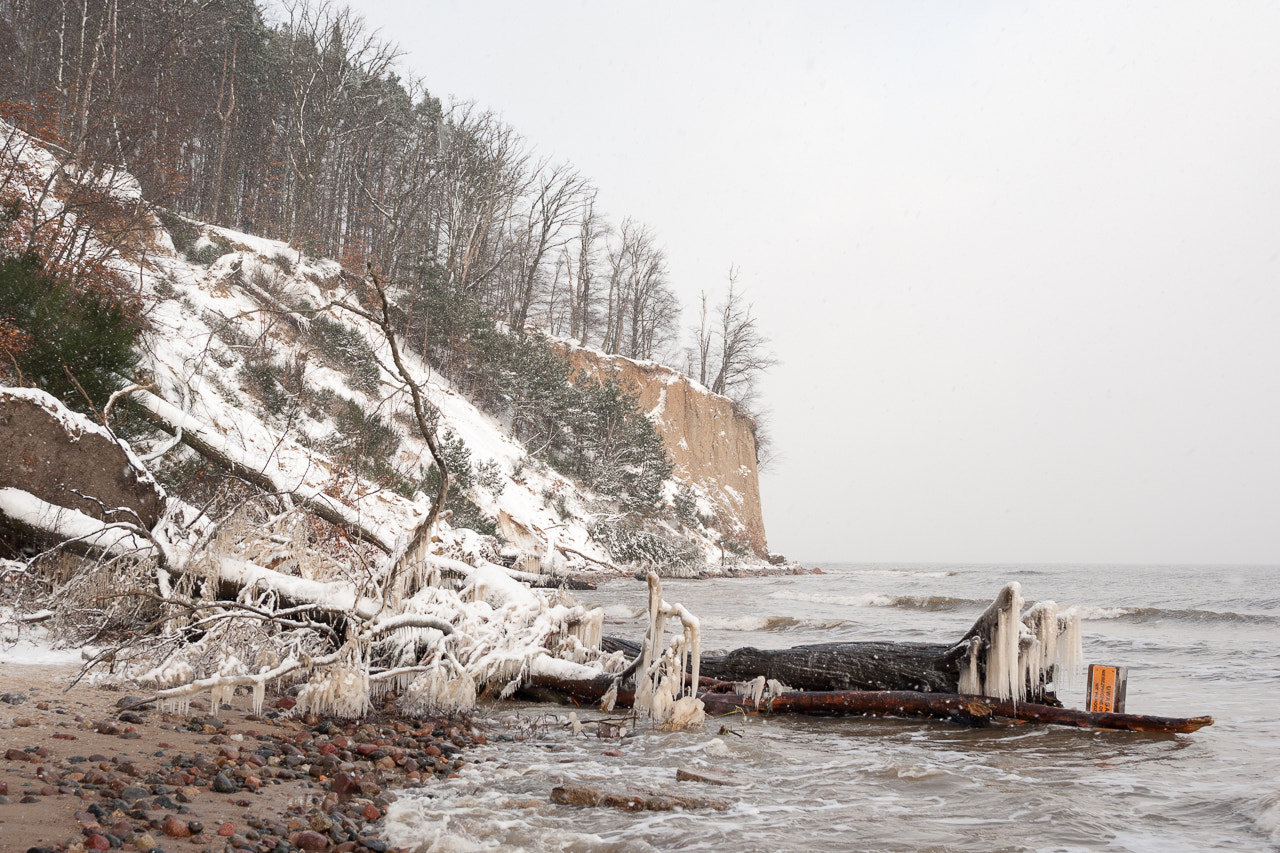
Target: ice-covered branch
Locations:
point(258, 470)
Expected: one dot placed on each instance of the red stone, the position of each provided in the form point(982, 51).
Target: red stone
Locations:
point(343, 784)
point(286, 703)
point(310, 840)
point(370, 812)
point(17, 755)
point(97, 842)
point(366, 749)
point(175, 828)
point(227, 829)
point(63, 736)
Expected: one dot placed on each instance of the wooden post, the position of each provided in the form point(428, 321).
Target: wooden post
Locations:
point(1107, 685)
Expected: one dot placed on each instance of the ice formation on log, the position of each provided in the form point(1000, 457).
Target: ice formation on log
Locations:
point(660, 682)
point(1022, 653)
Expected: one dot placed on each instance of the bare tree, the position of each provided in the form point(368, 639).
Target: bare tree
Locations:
point(331, 64)
point(641, 309)
point(560, 194)
point(704, 337)
point(591, 230)
point(483, 173)
point(744, 351)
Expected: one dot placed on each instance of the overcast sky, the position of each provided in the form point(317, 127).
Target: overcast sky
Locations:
point(1019, 261)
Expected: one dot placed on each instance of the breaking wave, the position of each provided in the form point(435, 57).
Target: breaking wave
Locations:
point(901, 573)
point(932, 603)
point(948, 604)
point(769, 623)
point(1158, 614)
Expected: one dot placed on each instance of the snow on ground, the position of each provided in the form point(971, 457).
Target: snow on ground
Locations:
point(30, 644)
point(200, 373)
point(255, 301)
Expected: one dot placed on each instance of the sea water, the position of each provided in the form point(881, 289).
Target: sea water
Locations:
point(1196, 641)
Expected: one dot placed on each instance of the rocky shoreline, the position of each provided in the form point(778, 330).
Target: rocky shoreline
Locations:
point(84, 769)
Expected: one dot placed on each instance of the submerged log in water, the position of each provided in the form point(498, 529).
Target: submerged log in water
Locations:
point(969, 710)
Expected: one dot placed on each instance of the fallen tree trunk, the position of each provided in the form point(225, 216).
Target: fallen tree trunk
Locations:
point(922, 667)
point(966, 710)
point(969, 710)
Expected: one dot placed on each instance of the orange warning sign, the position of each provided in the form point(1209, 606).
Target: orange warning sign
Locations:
point(1106, 689)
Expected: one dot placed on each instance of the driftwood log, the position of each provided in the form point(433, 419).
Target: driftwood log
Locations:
point(923, 667)
point(966, 710)
point(969, 710)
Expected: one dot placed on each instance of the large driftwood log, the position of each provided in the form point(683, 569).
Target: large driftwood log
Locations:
point(923, 667)
point(970, 710)
point(966, 710)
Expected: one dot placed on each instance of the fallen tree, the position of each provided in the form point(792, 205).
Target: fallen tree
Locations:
point(967, 710)
point(1004, 651)
point(1005, 655)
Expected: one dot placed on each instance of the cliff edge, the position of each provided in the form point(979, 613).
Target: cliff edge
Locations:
point(711, 444)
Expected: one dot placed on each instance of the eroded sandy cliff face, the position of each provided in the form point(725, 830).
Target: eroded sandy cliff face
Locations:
point(711, 446)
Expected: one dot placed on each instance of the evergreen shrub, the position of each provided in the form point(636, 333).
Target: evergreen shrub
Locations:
point(348, 350)
point(55, 330)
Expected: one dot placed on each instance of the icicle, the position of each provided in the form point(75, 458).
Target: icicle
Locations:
point(445, 688)
point(341, 690)
point(1041, 623)
point(1002, 652)
point(587, 626)
point(259, 696)
point(752, 691)
point(776, 688)
point(224, 692)
point(1070, 654)
point(660, 686)
point(970, 678)
point(610, 698)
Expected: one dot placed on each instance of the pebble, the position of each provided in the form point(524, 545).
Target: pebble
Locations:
point(175, 827)
point(350, 766)
point(310, 840)
point(13, 697)
point(223, 785)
